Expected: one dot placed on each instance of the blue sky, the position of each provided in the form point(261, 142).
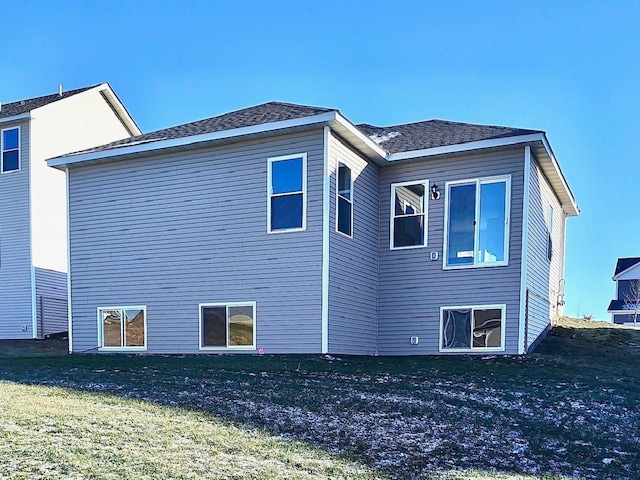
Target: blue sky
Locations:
point(569, 68)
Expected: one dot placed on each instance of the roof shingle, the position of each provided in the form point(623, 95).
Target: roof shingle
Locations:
point(626, 263)
point(24, 106)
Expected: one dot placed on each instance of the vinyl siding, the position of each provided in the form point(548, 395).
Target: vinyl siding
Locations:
point(51, 302)
point(412, 288)
point(16, 320)
point(176, 230)
point(353, 266)
point(544, 278)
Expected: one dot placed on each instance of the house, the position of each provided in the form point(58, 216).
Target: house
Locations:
point(286, 228)
point(625, 308)
point(33, 233)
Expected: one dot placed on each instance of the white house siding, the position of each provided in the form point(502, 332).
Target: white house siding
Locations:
point(51, 302)
point(16, 319)
point(353, 266)
point(78, 122)
point(543, 277)
point(180, 229)
point(412, 288)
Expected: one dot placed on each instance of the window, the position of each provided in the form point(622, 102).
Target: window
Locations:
point(344, 203)
point(549, 232)
point(122, 328)
point(10, 140)
point(477, 223)
point(409, 214)
point(230, 325)
point(472, 328)
point(287, 193)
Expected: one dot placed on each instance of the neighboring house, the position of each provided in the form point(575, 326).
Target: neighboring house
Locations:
point(625, 308)
point(33, 232)
point(287, 229)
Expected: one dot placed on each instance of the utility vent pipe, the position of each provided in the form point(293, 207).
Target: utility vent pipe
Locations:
point(60, 89)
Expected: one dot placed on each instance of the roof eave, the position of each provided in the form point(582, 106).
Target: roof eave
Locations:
point(16, 118)
point(543, 153)
point(119, 109)
point(333, 119)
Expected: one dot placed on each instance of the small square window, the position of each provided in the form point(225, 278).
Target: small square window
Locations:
point(472, 328)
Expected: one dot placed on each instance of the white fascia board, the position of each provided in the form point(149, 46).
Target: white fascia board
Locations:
point(574, 206)
point(524, 252)
point(15, 118)
point(183, 141)
point(628, 274)
point(356, 132)
point(121, 110)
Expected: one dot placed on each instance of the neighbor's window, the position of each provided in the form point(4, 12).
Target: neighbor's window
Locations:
point(231, 325)
point(287, 193)
point(477, 222)
point(123, 327)
point(409, 214)
point(472, 328)
point(344, 215)
point(10, 140)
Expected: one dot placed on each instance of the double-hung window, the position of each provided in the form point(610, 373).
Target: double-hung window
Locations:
point(477, 222)
point(10, 145)
point(287, 193)
point(409, 214)
point(472, 328)
point(228, 325)
point(122, 328)
point(344, 207)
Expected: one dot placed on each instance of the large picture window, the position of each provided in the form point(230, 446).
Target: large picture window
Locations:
point(409, 214)
point(344, 206)
point(477, 223)
point(230, 325)
point(287, 193)
point(122, 328)
point(10, 144)
point(472, 328)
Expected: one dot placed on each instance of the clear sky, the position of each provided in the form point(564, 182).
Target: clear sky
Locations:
point(571, 68)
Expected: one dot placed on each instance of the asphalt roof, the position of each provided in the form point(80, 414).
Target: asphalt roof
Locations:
point(393, 139)
point(24, 106)
point(626, 263)
point(435, 133)
point(260, 114)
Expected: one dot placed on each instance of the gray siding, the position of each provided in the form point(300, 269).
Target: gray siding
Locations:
point(412, 288)
point(543, 277)
point(16, 318)
point(353, 266)
point(51, 302)
point(176, 230)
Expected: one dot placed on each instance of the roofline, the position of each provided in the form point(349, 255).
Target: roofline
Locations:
point(119, 109)
point(494, 143)
point(22, 116)
point(333, 117)
point(617, 276)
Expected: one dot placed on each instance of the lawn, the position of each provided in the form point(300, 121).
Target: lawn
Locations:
point(568, 410)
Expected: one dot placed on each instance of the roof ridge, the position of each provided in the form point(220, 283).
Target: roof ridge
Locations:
point(451, 122)
point(66, 93)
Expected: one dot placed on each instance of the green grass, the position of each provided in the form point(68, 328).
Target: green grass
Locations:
point(568, 410)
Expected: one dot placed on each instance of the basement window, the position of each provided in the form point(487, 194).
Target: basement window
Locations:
point(122, 328)
point(464, 329)
point(228, 326)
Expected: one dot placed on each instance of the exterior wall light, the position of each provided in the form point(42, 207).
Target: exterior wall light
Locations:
point(435, 193)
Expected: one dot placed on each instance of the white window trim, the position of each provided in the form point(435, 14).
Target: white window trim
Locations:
point(270, 162)
point(102, 348)
point(507, 222)
point(227, 305)
point(2, 172)
point(502, 307)
point(425, 213)
point(338, 196)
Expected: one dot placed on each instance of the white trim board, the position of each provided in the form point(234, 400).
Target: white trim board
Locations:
point(524, 251)
point(326, 217)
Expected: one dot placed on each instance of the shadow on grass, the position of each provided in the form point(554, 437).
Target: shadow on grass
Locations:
point(568, 409)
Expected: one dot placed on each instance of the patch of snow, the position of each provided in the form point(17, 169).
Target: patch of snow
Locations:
point(381, 138)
